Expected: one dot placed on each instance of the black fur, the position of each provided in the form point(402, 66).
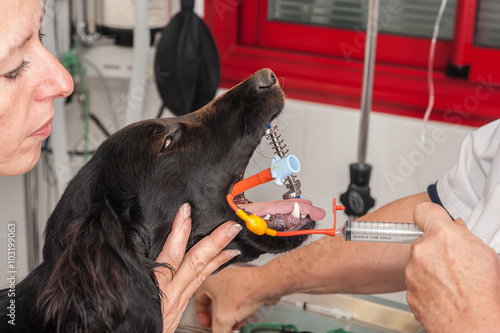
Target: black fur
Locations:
point(102, 239)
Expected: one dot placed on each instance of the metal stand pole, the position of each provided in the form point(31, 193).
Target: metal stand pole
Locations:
point(357, 199)
point(368, 73)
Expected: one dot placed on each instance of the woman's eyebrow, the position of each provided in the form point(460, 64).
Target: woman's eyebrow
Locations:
point(16, 46)
point(4, 52)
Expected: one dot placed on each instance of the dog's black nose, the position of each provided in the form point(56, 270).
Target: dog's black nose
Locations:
point(265, 78)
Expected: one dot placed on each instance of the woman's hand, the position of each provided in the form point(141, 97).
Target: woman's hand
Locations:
point(189, 269)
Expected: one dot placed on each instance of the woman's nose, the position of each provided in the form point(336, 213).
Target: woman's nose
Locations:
point(55, 81)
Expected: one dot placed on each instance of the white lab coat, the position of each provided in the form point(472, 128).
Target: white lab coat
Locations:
point(471, 188)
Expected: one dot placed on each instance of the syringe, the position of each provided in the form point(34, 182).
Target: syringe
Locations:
point(382, 232)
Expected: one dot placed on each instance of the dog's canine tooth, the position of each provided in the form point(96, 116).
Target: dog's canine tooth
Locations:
point(303, 216)
point(267, 217)
point(296, 211)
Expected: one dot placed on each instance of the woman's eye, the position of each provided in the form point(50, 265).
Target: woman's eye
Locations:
point(17, 72)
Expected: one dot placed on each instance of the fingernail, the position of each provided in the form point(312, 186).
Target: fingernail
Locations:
point(234, 230)
point(232, 253)
point(186, 210)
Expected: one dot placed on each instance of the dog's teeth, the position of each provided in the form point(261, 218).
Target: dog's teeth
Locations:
point(303, 216)
point(267, 217)
point(296, 210)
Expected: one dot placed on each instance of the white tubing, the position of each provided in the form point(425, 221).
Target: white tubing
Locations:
point(137, 86)
point(430, 70)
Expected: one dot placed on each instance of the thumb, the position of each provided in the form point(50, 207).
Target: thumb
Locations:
point(203, 305)
point(428, 213)
point(458, 221)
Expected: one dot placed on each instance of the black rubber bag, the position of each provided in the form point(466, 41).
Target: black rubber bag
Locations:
point(187, 65)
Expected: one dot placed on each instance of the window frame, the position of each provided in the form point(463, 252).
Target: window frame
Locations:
point(399, 88)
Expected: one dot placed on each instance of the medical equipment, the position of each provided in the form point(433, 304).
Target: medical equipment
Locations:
point(186, 64)
point(430, 68)
point(142, 35)
point(382, 232)
point(280, 170)
point(291, 182)
point(118, 18)
point(357, 198)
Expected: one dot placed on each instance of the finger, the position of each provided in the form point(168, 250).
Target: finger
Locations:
point(239, 325)
point(208, 248)
point(427, 213)
point(203, 305)
point(228, 324)
point(211, 266)
point(200, 256)
point(175, 246)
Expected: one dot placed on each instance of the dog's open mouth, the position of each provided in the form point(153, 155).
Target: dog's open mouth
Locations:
point(282, 215)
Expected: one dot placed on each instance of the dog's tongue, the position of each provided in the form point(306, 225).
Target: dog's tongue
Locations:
point(285, 207)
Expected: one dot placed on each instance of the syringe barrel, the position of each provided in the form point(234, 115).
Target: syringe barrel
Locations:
point(382, 232)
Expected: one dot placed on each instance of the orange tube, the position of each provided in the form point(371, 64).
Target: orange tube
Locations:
point(231, 203)
point(329, 232)
point(247, 183)
point(254, 223)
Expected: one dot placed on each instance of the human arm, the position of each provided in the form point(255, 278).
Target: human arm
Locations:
point(451, 262)
point(189, 269)
point(328, 265)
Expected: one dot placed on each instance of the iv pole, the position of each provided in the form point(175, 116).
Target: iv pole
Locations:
point(357, 199)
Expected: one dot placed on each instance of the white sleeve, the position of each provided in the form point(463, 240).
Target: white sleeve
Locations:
point(462, 187)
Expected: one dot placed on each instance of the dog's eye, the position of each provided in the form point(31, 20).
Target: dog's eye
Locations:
point(172, 136)
point(167, 142)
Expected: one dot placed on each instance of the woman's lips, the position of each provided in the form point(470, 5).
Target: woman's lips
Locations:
point(45, 130)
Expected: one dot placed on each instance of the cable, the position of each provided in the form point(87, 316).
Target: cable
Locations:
point(99, 124)
point(76, 152)
point(107, 90)
point(160, 111)
point(71, 62)
point(430, 66)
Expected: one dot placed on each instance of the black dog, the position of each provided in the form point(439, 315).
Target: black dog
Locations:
point(102, 239)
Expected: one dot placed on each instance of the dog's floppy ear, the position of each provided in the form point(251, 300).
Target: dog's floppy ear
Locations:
point(103, 266)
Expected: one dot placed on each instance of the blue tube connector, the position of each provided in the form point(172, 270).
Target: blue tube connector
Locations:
point(282, 168)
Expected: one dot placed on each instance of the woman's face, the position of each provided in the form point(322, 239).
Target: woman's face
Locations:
point(30, 79)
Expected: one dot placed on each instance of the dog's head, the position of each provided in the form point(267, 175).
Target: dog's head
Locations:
point(149, 169)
